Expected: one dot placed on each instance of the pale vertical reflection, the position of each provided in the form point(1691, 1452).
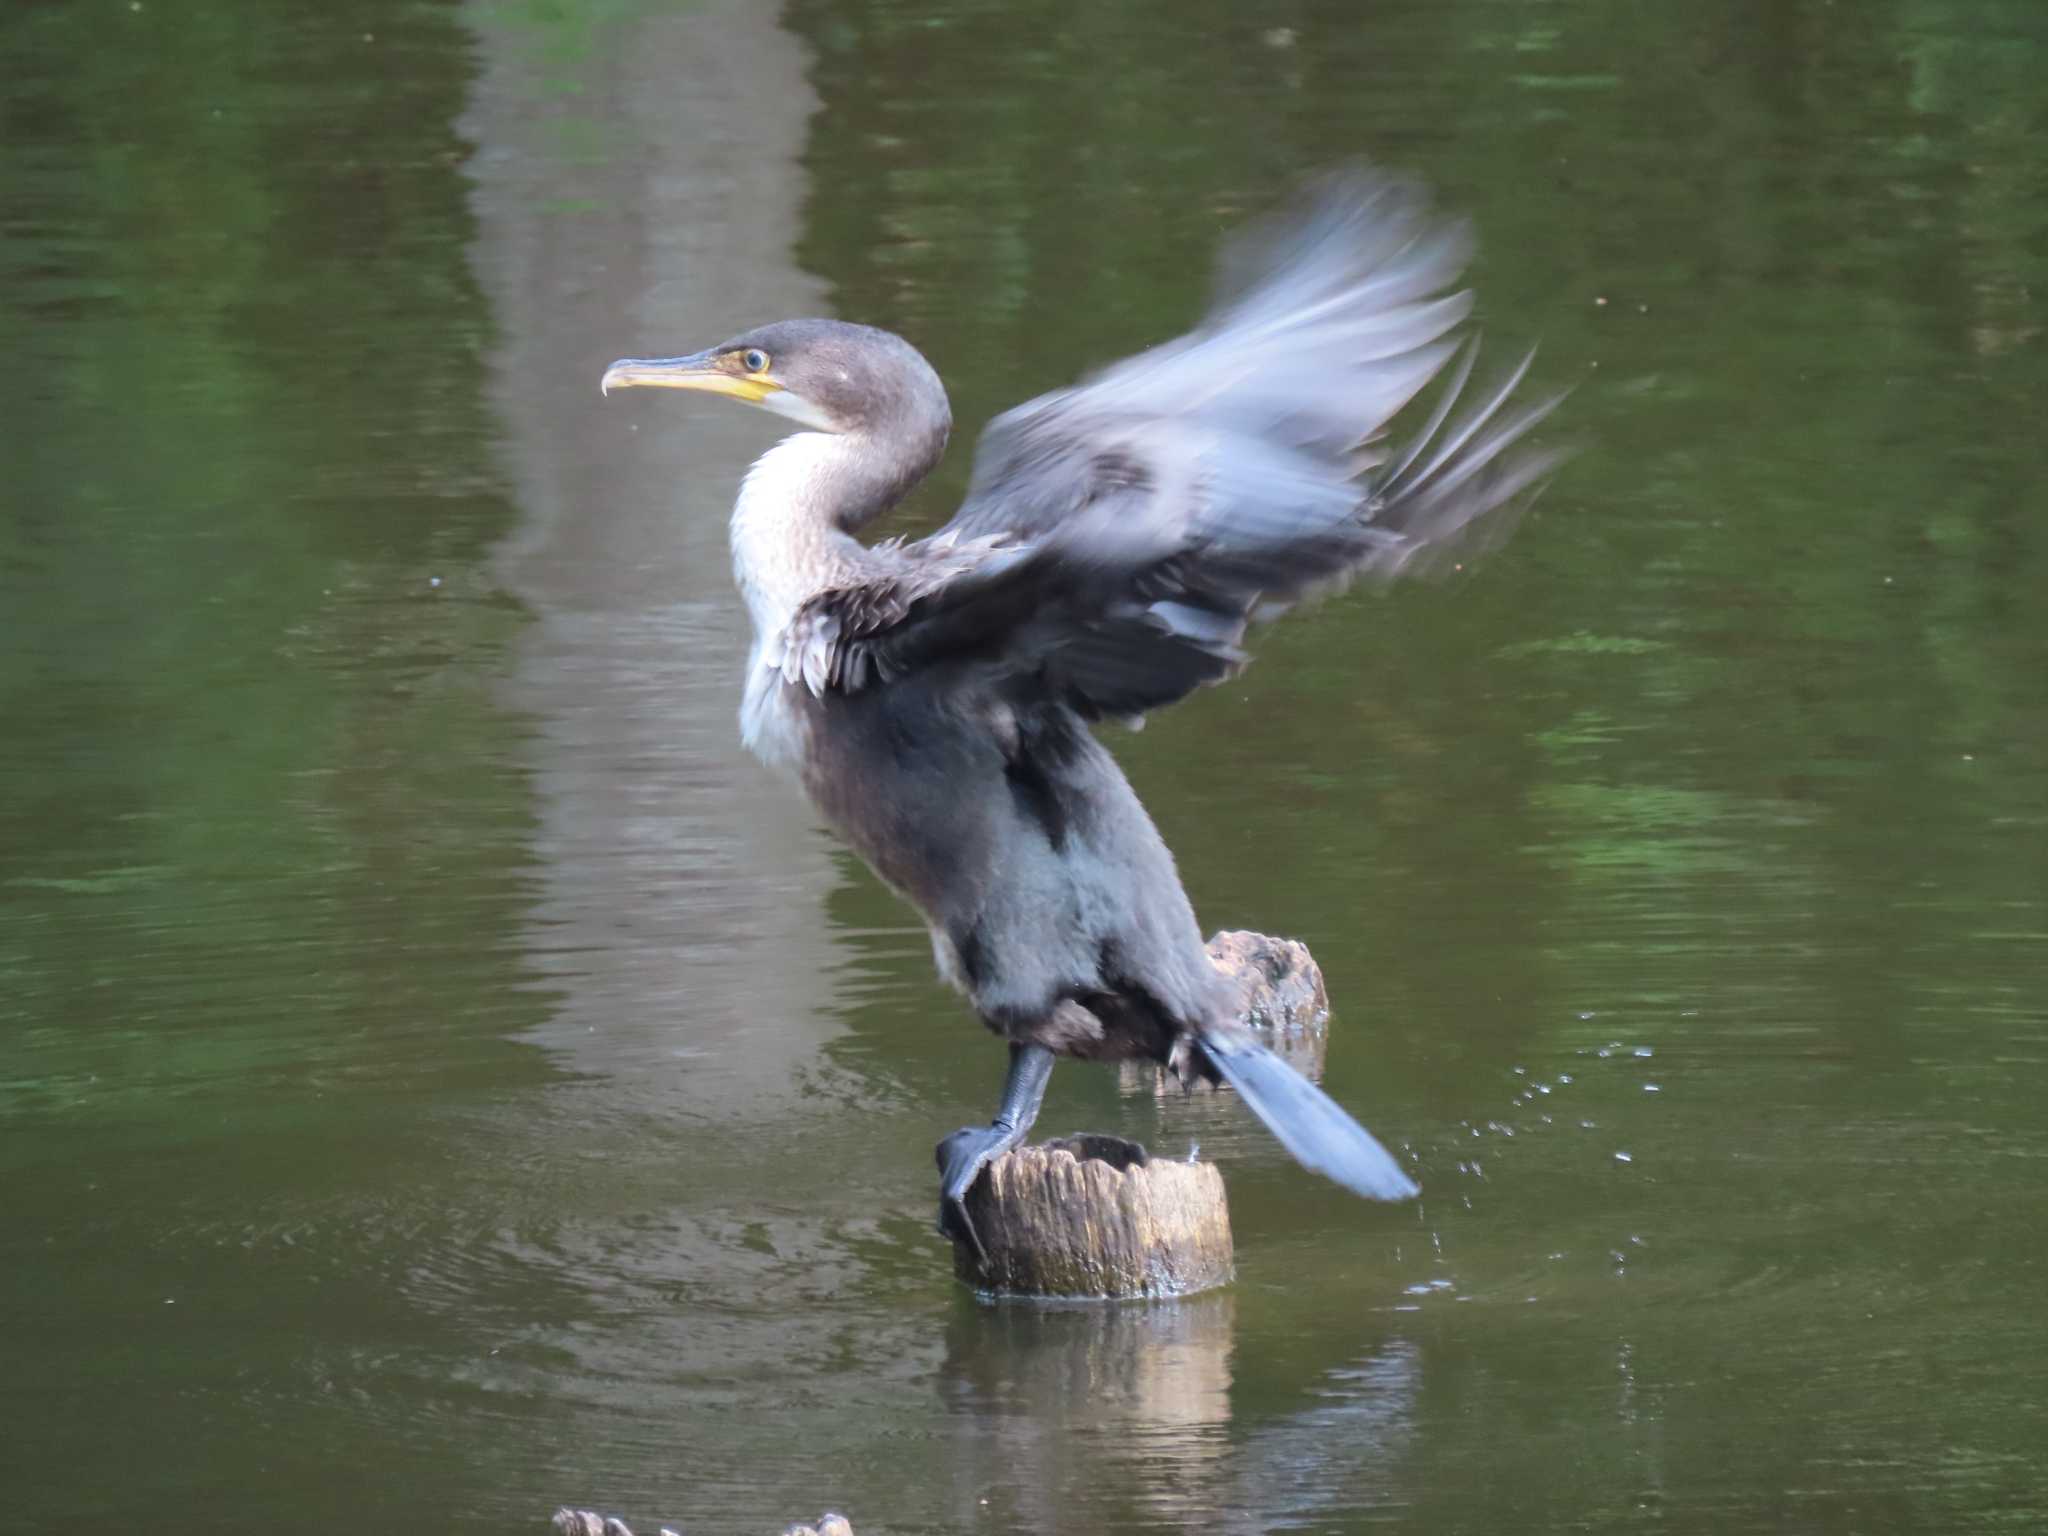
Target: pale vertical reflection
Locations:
point(1134, 1404)
point(1130, 1401)
point(637, 190)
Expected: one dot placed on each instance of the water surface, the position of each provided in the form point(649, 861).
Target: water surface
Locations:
point(440, 1078)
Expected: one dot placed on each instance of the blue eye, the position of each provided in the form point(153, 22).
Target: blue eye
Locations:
point(754, 359)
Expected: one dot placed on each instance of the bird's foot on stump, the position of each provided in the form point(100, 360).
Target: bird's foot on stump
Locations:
point(961, 1157)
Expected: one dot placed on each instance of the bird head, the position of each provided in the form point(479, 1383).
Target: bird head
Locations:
point(827, 375)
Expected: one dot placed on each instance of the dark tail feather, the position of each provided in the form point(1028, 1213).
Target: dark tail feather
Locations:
point(1308, 1122)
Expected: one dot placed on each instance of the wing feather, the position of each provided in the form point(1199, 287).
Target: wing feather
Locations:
point(1119, 536)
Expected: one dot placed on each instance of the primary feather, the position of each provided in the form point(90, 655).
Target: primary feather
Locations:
point(1118, 536)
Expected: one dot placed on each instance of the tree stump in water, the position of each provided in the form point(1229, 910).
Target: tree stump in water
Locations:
point(1280, 998)
point(1281, 986)
point(1094, 1216)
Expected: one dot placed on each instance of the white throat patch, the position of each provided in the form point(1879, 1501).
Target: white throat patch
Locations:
point(788, 403)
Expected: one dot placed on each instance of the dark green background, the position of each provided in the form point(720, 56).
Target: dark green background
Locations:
point(349, 1183)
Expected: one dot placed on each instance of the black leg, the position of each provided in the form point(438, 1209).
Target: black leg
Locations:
point(962, 1155)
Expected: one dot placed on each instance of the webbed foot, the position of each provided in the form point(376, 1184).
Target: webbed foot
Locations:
point(961, 1157)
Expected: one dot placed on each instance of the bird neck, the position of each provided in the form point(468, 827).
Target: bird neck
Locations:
point(863, 475)
point(801, 504)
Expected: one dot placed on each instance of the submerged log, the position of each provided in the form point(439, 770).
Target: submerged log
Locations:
point(1095, 1216)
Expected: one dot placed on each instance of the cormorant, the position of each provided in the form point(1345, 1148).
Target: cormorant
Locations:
point(935, 697)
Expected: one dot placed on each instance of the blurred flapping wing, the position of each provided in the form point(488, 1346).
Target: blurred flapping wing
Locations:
point(1118, 536)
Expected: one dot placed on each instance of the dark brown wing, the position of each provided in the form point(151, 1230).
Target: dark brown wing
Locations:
point(1118, 537)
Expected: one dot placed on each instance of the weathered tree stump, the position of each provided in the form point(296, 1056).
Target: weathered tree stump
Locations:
point(1282, 985)
point(1094, 1216)
point(1281, 998)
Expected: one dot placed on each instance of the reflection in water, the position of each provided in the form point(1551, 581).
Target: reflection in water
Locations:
point(679, 920)
point(1737, 759)
point(1346, 1454)
point(1134, 1404)
point(1129, 1400)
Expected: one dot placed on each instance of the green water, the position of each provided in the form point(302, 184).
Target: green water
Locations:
point(441, 1079)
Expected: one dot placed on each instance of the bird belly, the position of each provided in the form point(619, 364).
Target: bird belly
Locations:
point(912, 795)
point(1052, 902)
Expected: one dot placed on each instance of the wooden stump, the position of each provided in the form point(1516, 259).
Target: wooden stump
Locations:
point(1281, 985)
point(1280, 998)
point(1094, 1216)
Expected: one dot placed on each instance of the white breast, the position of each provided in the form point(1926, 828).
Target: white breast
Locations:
point(784, 548)
point(772, 723)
